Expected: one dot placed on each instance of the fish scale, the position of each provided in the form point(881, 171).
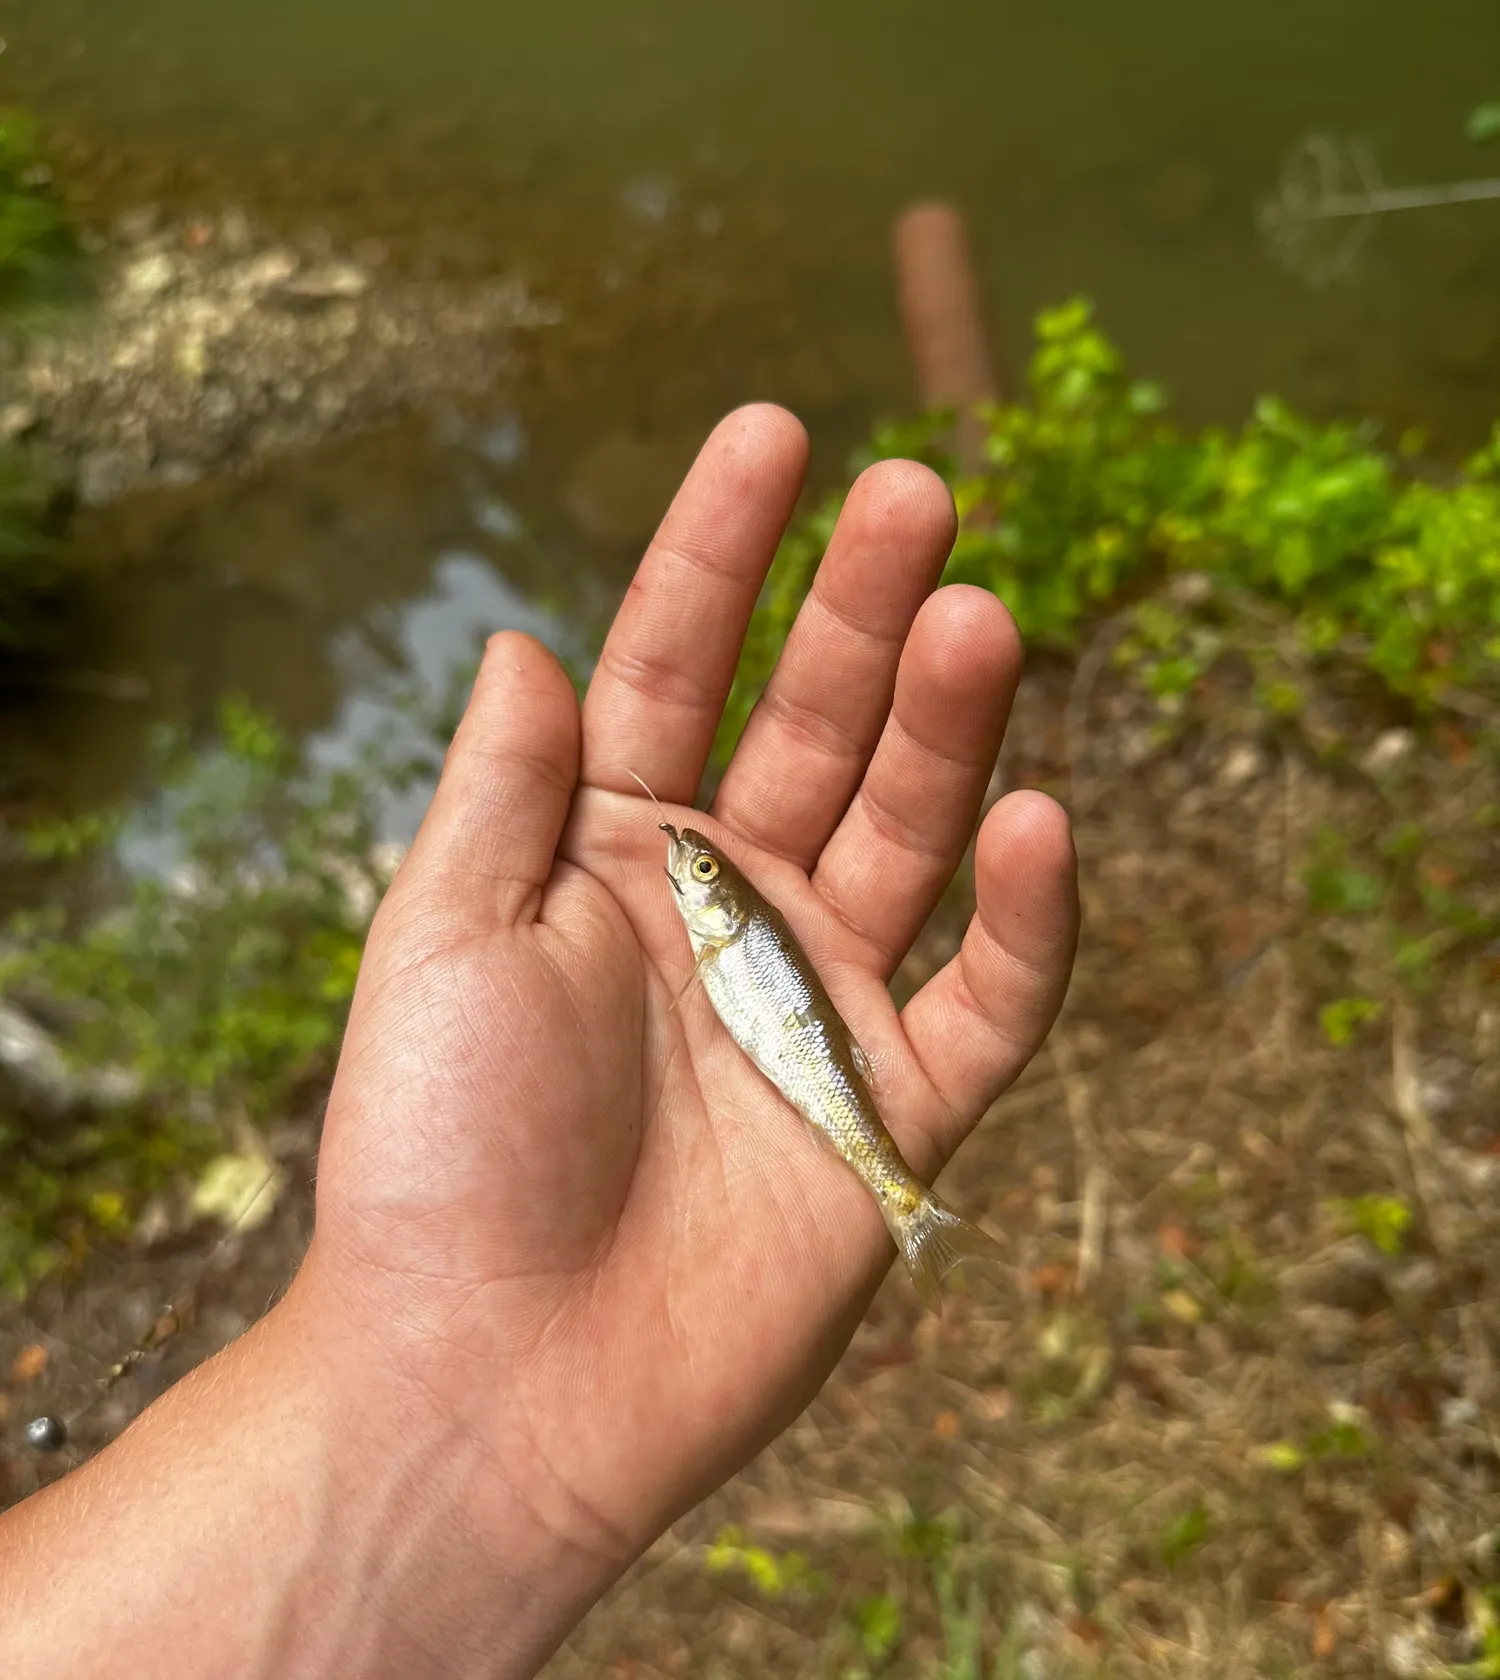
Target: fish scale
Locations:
point(769, 997)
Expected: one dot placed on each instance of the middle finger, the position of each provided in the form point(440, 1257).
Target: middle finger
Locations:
point(810, 737)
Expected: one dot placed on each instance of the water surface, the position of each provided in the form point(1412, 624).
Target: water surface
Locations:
point(707, 191)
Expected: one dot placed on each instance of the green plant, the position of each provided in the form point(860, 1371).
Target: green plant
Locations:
point(1184, 1534)
point(877, 1622)
point(962, 1615)
point(1300, 552)
point(1342, 1018)
point(771, 1575)
point(1090, 493)
point(40, 250)
point(214, 984)
point(1383, 1220)
point(1343, 1437)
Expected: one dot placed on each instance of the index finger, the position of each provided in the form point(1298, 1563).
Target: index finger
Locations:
point(654, 703)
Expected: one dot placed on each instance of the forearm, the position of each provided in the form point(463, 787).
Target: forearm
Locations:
point(247, 1525)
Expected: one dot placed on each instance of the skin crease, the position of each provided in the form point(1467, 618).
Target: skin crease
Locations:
point(574, 1262)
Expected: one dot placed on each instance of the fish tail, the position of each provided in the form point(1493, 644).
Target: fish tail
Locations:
point(933, 1239)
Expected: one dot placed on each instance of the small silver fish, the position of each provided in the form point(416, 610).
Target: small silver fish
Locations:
point(769, 996)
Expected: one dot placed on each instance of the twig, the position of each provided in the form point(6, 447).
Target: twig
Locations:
point(1416, 1124)
point(1093, 1177)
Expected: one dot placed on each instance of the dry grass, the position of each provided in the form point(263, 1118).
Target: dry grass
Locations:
point(1067, 1471)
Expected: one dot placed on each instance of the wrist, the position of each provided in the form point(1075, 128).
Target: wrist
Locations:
point(433, 1555)
point(268, 1510)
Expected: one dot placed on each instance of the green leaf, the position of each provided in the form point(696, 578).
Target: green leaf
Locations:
point(1484, 121)
point(1342, 1018)
point(1286, 1458)
point(878, 1622)
point(1383, 1220)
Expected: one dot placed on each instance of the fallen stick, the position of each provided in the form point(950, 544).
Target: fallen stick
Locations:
point(940, 309)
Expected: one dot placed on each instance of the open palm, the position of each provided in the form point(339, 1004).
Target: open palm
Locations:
point(566, 1210)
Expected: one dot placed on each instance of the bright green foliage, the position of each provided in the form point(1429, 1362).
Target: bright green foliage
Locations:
point(1090, 494)
point(877, 1622)
point(1303, 551)
point(771, 1576)
point(1286, 1458)
point(1385, 1221)
point(963, 1614)
point(218, 984)
point(39, 247)
point(1342, 1438)
point(1342, 1018)
point(789, 580)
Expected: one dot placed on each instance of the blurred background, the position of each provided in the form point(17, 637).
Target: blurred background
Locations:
point(333, 336)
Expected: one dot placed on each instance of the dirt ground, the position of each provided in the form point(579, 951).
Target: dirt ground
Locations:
point(1068, 1474)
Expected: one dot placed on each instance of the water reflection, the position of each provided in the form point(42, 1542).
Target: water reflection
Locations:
point(412, 672)
point(338, 591)
point(691, 182)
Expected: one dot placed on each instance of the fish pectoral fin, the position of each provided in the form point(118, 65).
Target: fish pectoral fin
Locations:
point(705, 956)
point(862, 1063)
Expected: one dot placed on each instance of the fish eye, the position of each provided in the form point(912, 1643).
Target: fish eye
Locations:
point(705, 867)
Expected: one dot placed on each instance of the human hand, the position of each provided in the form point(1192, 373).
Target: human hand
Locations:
point(575, 1261)
point(570, 1218)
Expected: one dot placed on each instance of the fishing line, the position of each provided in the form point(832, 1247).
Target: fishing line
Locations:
point(50, 1433)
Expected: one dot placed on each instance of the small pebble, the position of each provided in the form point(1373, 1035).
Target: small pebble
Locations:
point(1459, 1412)
point(151, 276)
point(47, 1434)
point(1389, 748)
point(29, 1364)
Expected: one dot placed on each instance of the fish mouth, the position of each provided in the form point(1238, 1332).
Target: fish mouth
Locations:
point(674, 849)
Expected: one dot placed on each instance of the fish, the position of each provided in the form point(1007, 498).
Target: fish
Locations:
point(767, 994)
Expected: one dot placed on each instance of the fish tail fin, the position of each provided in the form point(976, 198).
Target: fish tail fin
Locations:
point(933, 1239)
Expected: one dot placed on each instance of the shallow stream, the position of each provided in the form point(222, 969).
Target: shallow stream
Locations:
point(706, 194)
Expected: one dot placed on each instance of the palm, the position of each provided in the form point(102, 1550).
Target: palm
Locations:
point(574, 1194)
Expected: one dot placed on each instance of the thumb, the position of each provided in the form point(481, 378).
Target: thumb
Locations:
point(486, 847)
